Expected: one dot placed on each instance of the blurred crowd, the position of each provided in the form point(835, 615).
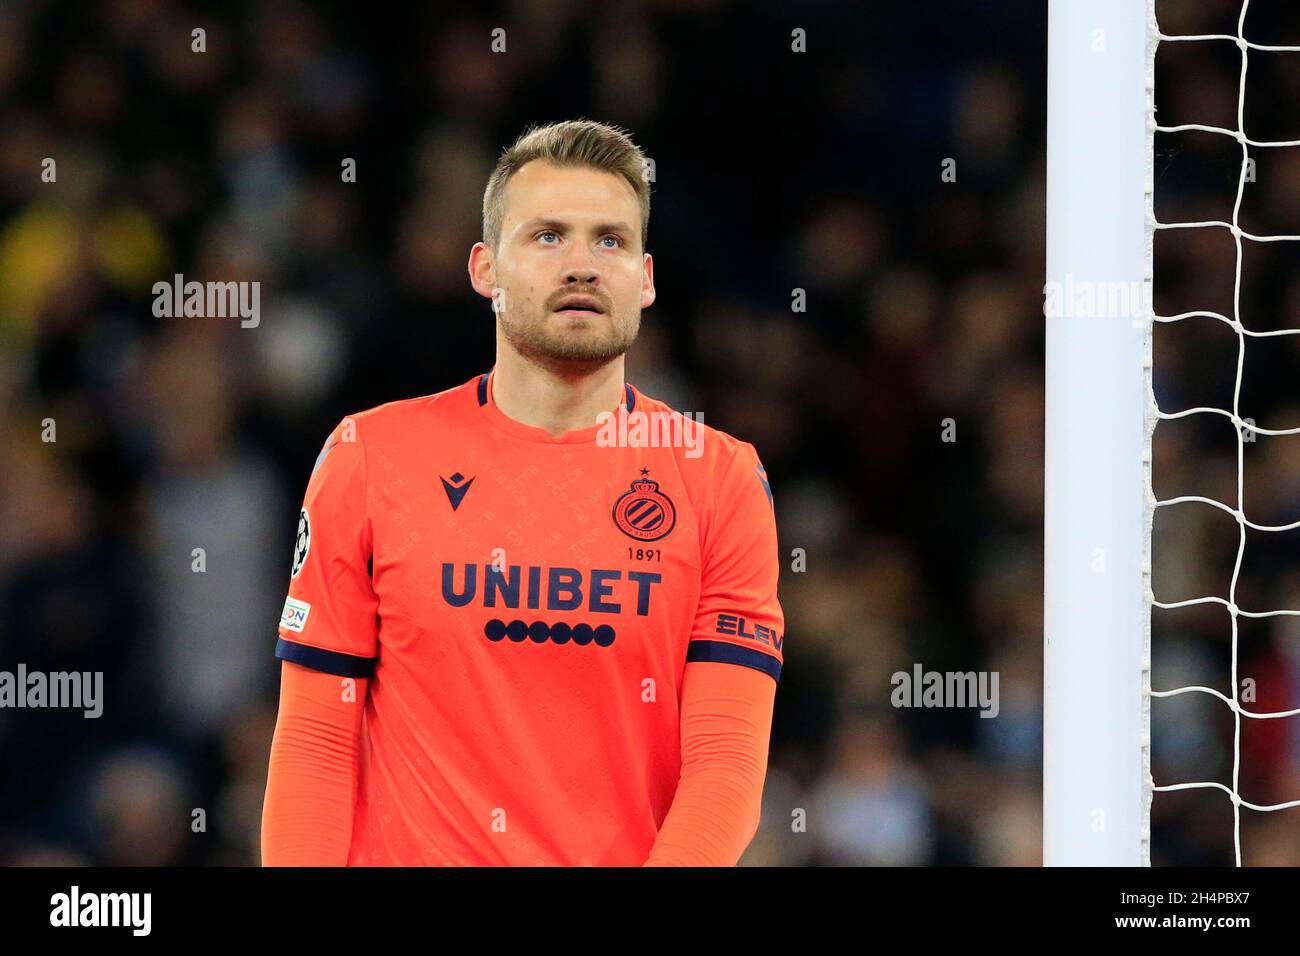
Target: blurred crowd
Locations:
point(900, 416)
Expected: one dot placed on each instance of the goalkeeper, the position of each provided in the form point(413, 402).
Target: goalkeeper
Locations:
point(515, 633)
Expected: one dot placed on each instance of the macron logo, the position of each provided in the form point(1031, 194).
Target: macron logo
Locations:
point(456, 486)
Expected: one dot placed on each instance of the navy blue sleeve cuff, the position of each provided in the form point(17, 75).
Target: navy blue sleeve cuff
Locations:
point(331, 662)
point(725, 653)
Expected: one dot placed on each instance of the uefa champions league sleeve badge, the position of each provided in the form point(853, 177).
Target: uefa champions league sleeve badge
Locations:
point(301, 544)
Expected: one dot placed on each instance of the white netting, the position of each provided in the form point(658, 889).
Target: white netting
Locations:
point(1241, 425)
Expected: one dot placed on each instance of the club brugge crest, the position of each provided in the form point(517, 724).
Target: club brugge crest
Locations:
point(644, 513)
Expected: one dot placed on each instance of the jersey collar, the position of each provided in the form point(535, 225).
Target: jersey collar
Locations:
point(532, 433)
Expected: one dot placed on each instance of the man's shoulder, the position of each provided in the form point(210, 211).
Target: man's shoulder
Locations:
point(402, 414)
point(705, 445)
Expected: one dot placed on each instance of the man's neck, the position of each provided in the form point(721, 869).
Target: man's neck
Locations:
point(555, 400)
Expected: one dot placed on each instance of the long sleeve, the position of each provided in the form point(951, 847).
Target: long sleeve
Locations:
point(328, 641)
point(312, 778)
point(726, 725)
point(733, 664)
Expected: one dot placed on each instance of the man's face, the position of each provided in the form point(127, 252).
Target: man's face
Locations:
point(568, 278)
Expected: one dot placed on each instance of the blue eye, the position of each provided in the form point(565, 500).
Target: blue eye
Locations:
point(548, 232)
point(617, 240)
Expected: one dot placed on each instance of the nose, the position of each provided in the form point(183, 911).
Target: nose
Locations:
point(580, 266)
point(581, 275)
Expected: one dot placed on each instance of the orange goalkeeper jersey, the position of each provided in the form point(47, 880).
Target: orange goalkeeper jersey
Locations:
point(525, 606)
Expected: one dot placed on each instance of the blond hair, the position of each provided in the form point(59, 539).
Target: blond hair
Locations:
point(579, 142)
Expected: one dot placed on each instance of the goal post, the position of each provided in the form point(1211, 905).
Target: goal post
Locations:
point(1096, 616)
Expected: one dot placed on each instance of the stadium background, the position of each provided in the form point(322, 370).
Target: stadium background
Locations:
point(774, 171)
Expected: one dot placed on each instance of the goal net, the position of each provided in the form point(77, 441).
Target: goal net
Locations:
point(1102, 412)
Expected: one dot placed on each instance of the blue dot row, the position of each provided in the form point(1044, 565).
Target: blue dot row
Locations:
point(539, 632)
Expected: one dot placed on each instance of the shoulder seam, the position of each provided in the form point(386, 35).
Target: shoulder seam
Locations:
point(365, 496)
point(365, 484)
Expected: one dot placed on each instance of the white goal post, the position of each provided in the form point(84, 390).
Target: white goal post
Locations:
point(1101, 411)
point(1096, 726)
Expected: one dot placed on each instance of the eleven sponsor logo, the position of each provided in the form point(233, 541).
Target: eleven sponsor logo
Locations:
point(738, 626)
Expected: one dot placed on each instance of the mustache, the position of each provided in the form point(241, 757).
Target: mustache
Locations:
point(552, 302)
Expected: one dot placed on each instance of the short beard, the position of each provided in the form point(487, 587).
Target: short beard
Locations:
point(569, 354)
